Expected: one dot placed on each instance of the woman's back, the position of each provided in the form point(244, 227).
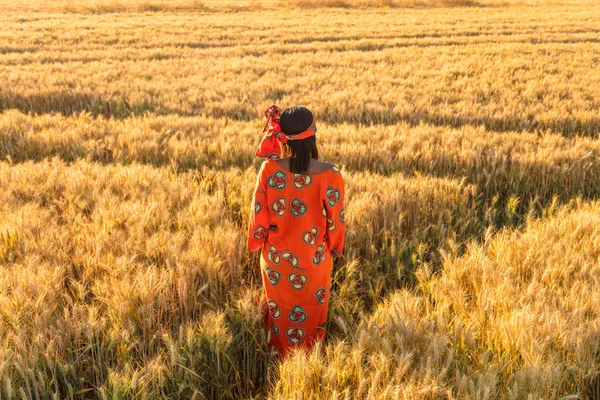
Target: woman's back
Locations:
point(299, 213)
point(314, 166)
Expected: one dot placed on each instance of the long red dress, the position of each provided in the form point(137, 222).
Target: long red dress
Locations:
point(298, 221)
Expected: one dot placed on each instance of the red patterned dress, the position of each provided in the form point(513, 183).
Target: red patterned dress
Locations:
point(298, 222)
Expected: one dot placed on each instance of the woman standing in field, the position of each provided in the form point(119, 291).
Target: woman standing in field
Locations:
point(297, 220)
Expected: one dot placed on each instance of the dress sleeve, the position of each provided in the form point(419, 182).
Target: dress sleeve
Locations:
point(258, 225)
point(335, 213)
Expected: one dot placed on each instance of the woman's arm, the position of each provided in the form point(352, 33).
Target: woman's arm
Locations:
point(335, 213)
point(258, 226)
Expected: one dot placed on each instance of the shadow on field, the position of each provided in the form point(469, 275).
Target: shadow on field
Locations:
point(18, 50)
point(568, 127)
point(67, 59)
point(506, 196)
point(68, 103)
point(366, 47)
point(438, 35)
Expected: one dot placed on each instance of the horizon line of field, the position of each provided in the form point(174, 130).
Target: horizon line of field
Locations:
point(201, 8)
point(153, 8)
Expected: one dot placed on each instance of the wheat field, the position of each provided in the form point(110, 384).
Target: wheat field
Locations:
point(468, 135)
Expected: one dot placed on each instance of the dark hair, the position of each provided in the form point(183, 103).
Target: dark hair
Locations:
point(295, 120)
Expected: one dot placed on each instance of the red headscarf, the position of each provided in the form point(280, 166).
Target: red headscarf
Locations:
point(269, 145)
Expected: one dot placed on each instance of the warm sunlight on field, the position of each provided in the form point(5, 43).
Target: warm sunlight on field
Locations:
point(468, 134)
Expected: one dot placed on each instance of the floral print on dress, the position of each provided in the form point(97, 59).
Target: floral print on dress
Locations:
point(274, 309)
point(297, 315)
point(298, 207)
point(301, 181)
point(278, 180)
point(273, 275)
point(320, 295)
point(310, 236)
point(273, 255)
point(295, 335)
point(278, 206)
point(297, 280)
point(333, 196)
point(319, 255)
point(293, 261)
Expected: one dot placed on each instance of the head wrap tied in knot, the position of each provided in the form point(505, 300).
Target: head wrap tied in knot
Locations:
point(269, 145)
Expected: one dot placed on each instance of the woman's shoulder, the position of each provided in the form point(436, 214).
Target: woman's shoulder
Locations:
point(269, 163)
point(316, 167)
point(325, 166)
point(331, 167)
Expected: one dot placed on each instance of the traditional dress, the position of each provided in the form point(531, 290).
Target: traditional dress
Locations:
point(298, 222)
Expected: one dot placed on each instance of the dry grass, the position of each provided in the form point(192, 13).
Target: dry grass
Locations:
point(469, 141)
point(512, 318)
point(454, 67)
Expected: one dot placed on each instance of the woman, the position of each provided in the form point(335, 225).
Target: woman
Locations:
point(297, 219)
